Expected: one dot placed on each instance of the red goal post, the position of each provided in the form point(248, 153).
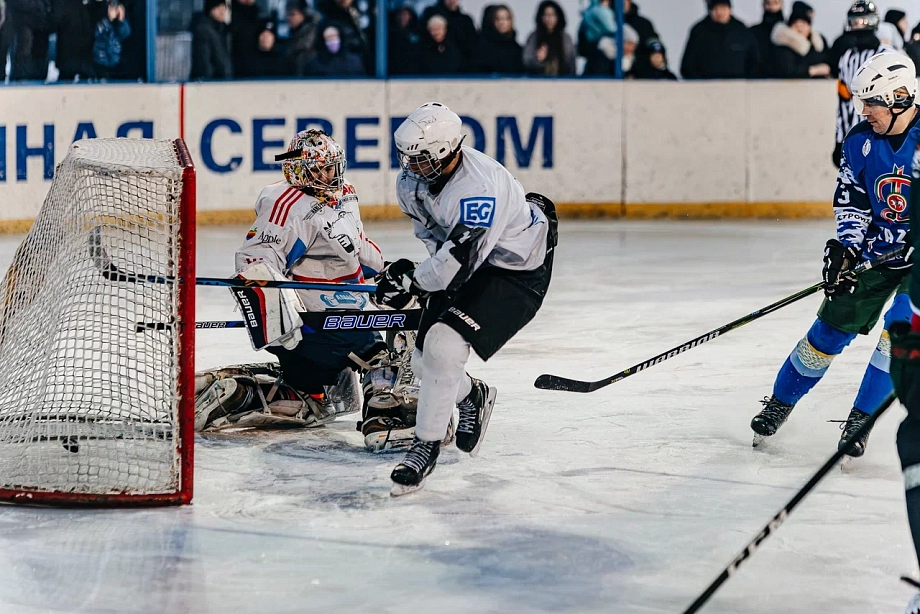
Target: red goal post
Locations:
point(93, 412)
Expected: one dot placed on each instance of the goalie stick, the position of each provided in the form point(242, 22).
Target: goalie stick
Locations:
point(100, 258)
point(556, 382)
point(352, 319)
point(777, 520)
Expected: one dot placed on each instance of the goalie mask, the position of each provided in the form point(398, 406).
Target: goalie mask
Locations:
point(314, 161)
point(427, 141)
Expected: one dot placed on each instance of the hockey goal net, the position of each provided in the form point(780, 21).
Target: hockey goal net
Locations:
point(96, 335)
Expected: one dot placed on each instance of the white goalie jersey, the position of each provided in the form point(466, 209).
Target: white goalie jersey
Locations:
point(482, 197)
point(312, 240)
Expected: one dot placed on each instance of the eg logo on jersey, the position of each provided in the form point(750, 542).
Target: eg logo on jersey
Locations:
point(477, 211)
point(892, 189)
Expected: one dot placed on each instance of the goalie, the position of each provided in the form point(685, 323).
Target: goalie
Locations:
point(308, 228)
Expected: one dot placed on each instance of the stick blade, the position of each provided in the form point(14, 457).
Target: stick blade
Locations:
point(554, 382)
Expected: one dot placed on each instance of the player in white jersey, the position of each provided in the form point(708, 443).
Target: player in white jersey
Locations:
point(308, 228)
point(490, 261)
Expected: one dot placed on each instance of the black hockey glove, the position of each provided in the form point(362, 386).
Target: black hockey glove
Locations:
point(838, 260)
point(395, 285)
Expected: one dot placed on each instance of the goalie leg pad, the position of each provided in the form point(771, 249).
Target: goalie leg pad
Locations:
point(222, 399)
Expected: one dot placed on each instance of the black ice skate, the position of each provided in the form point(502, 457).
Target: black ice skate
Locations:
point(770, 418)
point(475, 411)
point(853, 423)
point(409, 475)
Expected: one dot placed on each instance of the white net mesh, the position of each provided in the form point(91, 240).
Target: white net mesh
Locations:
point(89, 405)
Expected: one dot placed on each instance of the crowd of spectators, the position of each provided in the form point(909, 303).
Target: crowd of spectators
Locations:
point(102, 39)
point(87, 39)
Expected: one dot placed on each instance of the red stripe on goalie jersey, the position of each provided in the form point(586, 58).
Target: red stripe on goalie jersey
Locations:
point(283, 205)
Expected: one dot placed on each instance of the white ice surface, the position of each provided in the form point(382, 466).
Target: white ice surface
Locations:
point(627, 500)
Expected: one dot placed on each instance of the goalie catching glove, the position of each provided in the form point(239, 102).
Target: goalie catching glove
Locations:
point(272, 315)
point(396, 285)
point(839, 260)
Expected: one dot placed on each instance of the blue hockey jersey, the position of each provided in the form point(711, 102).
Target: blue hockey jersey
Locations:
point(873, 189)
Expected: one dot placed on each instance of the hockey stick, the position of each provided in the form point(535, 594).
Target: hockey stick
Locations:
point(556, 382)
point(100, 257)
point(352, 319)
point(777, 520)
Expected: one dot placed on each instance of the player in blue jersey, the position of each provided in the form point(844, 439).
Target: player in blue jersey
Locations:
point(870, 205)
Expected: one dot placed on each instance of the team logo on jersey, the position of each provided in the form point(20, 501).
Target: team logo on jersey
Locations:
point(477, 211)
point(891, 190)
point(867, 147)
point(252, 232)
point(340, 237)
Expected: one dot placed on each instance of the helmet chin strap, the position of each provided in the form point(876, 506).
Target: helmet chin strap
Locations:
point(895, 116)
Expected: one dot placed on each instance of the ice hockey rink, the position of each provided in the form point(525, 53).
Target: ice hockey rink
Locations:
point(626, 500)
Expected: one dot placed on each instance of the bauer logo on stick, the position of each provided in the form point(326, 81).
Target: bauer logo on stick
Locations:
point(477, 211)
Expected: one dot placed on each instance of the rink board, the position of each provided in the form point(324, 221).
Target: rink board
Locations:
point(598, 148)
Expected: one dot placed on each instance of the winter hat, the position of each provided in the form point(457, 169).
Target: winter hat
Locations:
point(654, 46)
point(714, 3)
point(894, 16)
point(630, 35)
point(296, 5)
point(210, 4)
point(269, 24)
point(802, 7)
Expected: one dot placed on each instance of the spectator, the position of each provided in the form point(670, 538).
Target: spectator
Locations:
point(641, 25)
point(5, 40)
point(403, 41)
point(888, 34)
point(763, 32)
point(245, 28)
point(643, 28)
point(301, 44)
point(267, 60)
point(720, 47)
point(333, 59)
point(111, 30)
point(74, 23)
point(211, 55)
point(499, 50)
point(911, 48)
point(656, 66)
point(439, 55)
point(344, 16)
point(597, 37)
point(459, 24)
point(899, 19)
point(549, 49)
point(30, 21)
point(800, 51)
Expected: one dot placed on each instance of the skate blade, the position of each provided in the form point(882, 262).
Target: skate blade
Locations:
point(398, 490)
point(486, 415)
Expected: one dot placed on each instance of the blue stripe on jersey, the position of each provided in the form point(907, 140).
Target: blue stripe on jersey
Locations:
point(296, 253)
point(368, 271)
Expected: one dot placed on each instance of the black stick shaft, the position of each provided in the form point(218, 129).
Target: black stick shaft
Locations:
point(555, 382)
point(777, 520)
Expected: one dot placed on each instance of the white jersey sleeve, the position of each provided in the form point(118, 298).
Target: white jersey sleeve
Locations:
point(276, 238)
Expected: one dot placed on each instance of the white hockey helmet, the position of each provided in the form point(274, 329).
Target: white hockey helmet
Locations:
point(316, 161)
point(426, 139)
point(888, 79)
